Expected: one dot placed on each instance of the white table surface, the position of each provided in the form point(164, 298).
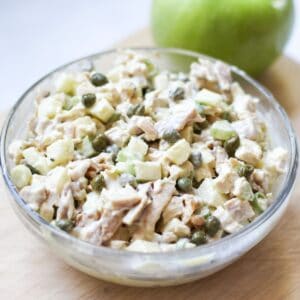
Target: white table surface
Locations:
point(37, 36)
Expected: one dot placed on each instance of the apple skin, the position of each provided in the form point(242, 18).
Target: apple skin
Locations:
point(247, 33)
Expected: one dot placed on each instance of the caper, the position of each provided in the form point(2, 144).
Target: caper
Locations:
point(98, 79)
point(126, 178)
point(171, 136)
point(198, 127)
point(196, 159)
point(89, 99)
point(199, 237)
point(98, 183)
point(245, 170)
point(100, 142)
point(184, 184)
point(231, 145)
point(226, 115)
point(65, 225)
point(177, 93)
point(212, 225)
point(138, 109)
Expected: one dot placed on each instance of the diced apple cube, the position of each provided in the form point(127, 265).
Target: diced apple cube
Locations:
point(102, 110)
point(137, 146)
point(37, 160)
point(209, 194)
point(93, 203)
point(147, 171)
point(179, 152)
point(84, 126)
point(57, 178)
point(21, 176)
point(49, 107)
point(66, 83)
point(61, 151)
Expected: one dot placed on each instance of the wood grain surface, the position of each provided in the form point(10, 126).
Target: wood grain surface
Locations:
point(271, 270)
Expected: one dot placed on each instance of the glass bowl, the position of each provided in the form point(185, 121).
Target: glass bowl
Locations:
point(153, 269)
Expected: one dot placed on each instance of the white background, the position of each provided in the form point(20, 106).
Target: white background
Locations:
point(36, 36)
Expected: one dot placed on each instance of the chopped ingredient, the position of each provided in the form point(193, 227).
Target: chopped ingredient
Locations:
point(144, 159)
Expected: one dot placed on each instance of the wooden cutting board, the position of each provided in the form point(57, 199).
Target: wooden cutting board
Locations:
point(28, 270)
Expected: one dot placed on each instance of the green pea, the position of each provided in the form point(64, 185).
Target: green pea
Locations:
point(100, 142)
point(98, 183)
point(231, 145)
point(65, 225)
point(198, 127)
point(177, 93)
point(88, 100)
point(196, 159)
point(226, 115)
point(138, 109)
point(171, 136)
point(212, 225)
point(184, 184)
point(199, 237)
point(98, 79)
point(245, 170)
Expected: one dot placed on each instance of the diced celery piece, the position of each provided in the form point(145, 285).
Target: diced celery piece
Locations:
point(222, 130)
point(259, 203)
point(207, 97)
point(70, 102)
point(126, 167)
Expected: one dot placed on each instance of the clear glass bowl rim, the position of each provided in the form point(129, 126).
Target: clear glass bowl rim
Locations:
point(101, 251)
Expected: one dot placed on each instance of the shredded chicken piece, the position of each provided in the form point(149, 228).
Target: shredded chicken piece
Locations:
point(146, 124)
point(66, 204)
point(35, 195)
point(161, 195)
point(240, 210)
point(134, 213)
point(181, 115)
point(77, 169)
point(121, 198)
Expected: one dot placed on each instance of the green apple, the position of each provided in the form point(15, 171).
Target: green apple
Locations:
point(246, 33)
